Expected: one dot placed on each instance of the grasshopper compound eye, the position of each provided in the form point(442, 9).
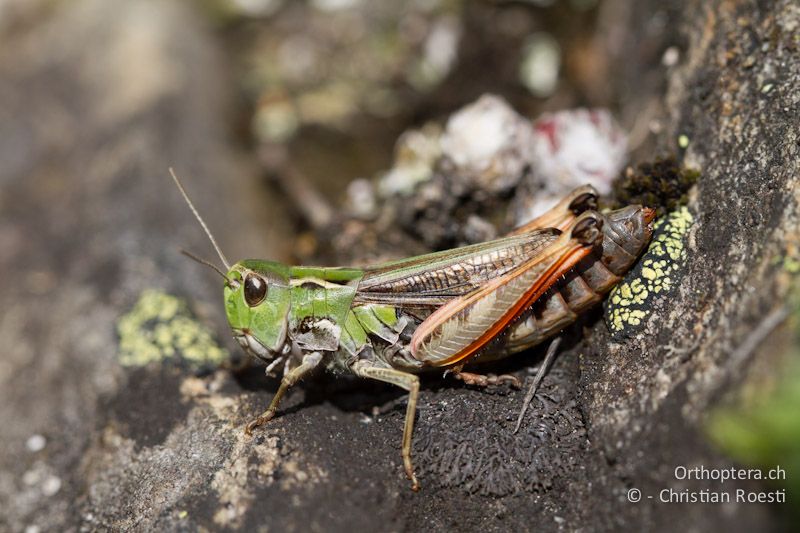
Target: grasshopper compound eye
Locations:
point(255, 289)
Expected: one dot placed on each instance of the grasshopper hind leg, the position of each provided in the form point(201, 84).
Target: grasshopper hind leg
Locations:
point(409, 382)
point(548, 360)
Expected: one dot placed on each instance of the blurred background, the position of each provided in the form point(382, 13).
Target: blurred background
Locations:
point(300, 128)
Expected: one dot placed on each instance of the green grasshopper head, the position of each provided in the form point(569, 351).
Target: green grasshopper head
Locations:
point(257, 302)
point(257, 297)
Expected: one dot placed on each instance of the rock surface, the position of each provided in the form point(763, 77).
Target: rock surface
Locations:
point(89, 221)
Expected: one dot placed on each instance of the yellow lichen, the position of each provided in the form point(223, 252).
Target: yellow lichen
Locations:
point(628, 301)
point(160, 326)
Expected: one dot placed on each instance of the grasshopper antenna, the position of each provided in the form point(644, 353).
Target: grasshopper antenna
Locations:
point(203, 224)
point(209, 264)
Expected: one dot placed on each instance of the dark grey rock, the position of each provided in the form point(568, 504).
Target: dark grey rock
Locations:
point(93, 112)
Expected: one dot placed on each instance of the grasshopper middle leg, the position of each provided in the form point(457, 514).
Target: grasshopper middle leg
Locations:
point(310, 362)
point(409, 382)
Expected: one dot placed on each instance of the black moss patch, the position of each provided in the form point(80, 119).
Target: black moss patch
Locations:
point(662, 184)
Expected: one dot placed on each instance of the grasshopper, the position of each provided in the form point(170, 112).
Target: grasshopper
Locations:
point(438, 311)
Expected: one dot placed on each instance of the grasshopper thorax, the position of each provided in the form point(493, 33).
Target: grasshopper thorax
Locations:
point(257, 303)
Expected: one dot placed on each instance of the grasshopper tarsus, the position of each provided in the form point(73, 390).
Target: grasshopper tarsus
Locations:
point(268, 415)
point(485, 380)
point(415, 486)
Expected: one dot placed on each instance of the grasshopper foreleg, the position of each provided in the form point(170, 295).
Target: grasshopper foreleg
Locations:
point(409, 382)
point(310, 361)
point(548, 359)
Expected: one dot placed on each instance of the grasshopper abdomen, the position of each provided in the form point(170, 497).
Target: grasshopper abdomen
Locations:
point(625, 234)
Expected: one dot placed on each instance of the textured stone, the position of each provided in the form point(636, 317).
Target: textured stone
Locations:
point(89, 221)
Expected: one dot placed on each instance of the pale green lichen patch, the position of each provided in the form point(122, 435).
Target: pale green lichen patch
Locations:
point(160, 326)
point(791, 265)
point(629, 303)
